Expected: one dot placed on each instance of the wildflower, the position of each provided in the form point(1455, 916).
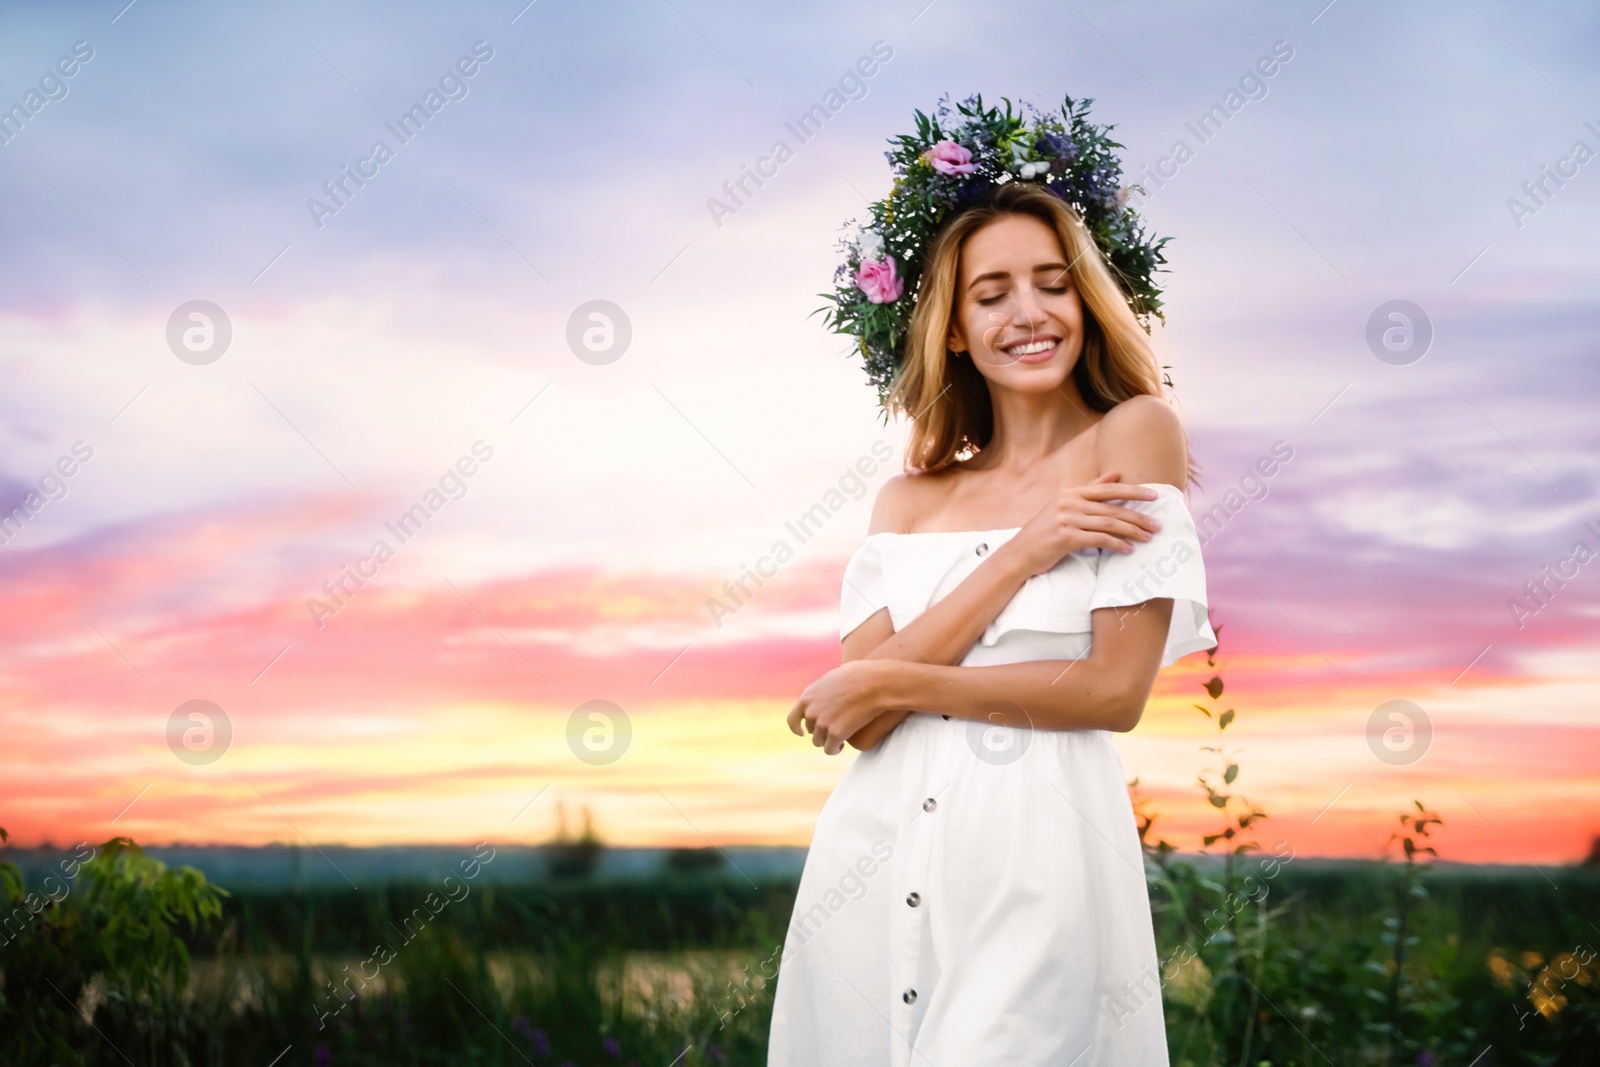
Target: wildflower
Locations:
point(611, 1047)
point(322, 1057)
point(870, 245)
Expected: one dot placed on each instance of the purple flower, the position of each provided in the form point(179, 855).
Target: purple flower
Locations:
point(947, 157)
point(611, 1047)
point(541, 1043)
point(716, 1053)
point(322, 1057)
point(1426, 1059)
point(1057, 145)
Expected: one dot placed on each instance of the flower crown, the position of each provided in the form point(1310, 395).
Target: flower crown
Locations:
point(954, 162)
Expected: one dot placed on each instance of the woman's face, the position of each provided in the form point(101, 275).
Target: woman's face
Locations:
point(1017, 313)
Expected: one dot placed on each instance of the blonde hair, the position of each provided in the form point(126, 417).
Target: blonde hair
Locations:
point(948, 398)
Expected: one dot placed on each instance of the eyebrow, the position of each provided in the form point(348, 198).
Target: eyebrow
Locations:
point(1059, 268)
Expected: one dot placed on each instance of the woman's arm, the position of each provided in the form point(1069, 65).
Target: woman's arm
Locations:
point(1106, 690)
point(944, 633)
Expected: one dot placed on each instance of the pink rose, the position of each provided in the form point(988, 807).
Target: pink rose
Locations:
point(877, 278)
point(947, 157)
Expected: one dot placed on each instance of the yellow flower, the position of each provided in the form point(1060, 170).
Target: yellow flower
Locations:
point(1502, 969)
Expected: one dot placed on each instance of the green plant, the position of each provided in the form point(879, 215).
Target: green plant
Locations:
point(104, 946)
point(1412, 836)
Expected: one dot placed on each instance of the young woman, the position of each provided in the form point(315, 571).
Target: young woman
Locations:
point(975, 892)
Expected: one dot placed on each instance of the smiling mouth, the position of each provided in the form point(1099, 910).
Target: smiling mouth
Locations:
point(1035, 350)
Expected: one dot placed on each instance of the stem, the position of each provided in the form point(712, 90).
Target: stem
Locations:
point(1402, 908)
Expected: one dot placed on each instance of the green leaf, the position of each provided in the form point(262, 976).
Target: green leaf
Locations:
point(1231, 773)
point(1202, 709)
point(1225, 719)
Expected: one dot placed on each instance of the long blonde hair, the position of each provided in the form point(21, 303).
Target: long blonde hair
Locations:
point(948, 398)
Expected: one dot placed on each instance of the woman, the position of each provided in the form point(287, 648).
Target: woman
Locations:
point(975, 891)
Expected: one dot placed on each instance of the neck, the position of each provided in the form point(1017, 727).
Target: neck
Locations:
point(1031, 426)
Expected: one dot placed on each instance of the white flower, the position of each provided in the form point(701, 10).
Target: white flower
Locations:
point(870, 245)
point(1039, 168)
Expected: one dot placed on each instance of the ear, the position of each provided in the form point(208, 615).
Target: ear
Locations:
point(957, 339)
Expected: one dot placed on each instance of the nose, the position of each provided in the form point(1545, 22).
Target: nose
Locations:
point(1020, 311)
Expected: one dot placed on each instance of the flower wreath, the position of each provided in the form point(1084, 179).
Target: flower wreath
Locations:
point(947, 166)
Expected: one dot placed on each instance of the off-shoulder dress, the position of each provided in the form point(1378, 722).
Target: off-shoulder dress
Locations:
point(975, 894)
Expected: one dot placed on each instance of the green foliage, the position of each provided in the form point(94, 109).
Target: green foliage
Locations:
point(548, 973)
point(105, 934)
point(1064, 151)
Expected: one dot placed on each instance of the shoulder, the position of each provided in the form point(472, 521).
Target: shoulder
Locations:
point(899, 501)
point(1142, 439)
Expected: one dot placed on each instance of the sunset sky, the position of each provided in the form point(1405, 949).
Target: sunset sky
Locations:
point(376, 344)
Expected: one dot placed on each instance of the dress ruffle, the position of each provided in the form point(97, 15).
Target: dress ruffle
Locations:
point(908, 572)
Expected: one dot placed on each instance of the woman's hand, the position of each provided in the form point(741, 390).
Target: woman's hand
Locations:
point(839, 703)
point(1082, 517)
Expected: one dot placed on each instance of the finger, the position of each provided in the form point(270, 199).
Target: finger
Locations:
point(1132, 517)
point(1108, 476)
point(1116, 527)
point(1115, 544)
point(794, 719)
point(1115, 491)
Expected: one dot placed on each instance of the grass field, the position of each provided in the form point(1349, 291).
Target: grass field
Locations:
point(139, 964)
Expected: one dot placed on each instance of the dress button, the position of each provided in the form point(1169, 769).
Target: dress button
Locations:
point(909, 996)
point(983, 548)
point(929, 804)
point(947, 717)
point(914, 898)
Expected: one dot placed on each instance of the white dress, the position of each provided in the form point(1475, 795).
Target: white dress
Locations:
point(975, 894)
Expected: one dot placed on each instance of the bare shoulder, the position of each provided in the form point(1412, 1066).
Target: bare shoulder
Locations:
point(894, 508)
point(902, 498)
point(1142, 439)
